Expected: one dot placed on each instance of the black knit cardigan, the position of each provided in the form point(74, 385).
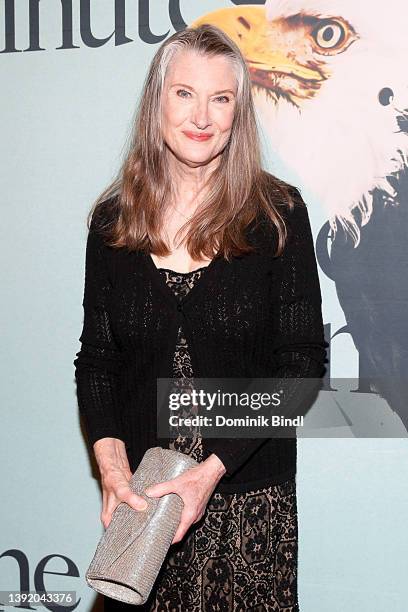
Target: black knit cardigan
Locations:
point(254, 316)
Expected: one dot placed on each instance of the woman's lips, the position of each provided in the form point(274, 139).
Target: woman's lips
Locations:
point(198, 137)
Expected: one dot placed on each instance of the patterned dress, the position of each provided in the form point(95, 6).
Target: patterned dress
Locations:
point(242, 554)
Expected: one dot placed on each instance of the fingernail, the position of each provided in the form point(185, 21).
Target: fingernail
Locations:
point(143, 506)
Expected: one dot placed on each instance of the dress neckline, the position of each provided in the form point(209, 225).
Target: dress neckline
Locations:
point(202, 281)
point(183, 273)
point(175, 271)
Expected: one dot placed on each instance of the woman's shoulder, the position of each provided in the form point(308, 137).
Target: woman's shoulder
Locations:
point(281, 194)
point(286, 201)
point(100, 220)
point(104, 215)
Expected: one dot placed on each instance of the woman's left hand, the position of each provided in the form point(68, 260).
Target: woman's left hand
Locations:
point(195, 487)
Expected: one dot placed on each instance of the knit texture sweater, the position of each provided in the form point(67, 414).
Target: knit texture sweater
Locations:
point(256, 315)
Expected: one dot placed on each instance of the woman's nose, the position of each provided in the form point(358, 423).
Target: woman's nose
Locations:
point(201, 116)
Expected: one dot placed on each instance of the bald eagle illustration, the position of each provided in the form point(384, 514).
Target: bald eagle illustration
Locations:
point(331, 88)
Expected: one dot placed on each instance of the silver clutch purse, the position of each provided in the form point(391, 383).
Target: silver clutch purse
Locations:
point(133, 547)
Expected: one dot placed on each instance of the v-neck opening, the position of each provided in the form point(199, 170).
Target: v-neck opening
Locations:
point(175, 271)
point(162, 285)
point(182, 273)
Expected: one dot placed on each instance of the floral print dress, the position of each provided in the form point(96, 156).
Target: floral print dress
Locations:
point(242, 554)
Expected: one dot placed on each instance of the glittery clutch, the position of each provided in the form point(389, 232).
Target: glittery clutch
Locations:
point(133, 547)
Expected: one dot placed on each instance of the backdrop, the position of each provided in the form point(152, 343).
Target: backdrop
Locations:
point(331, 91)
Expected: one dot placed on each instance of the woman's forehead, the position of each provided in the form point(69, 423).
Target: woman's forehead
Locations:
point(187, 60)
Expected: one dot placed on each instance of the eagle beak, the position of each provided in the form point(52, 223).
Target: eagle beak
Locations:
point(272, 62)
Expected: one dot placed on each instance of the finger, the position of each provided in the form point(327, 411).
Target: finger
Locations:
point(137, 502)
point(161, 488)
point(199, 517)
point(186, 520)
point(125, 494)
point(105, 514)
point(179, 535)
point(109, 503)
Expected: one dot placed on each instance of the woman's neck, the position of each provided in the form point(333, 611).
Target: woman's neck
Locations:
point(188, 184)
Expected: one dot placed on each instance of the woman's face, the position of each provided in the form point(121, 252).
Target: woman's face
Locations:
point(198, 104)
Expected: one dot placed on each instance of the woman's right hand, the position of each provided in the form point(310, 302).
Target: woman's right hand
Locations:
point(110, 454)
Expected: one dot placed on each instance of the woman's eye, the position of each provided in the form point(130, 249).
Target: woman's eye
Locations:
point(223, 98)
point(181, 92)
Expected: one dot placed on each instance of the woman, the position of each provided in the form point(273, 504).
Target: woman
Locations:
point(200, 263)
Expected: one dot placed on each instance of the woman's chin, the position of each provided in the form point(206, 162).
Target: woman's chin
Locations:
point(193, 153)
point(196, 158)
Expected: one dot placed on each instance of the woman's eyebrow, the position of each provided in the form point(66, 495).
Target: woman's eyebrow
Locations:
point(192, 89)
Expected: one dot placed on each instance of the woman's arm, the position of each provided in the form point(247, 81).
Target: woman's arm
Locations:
point(298, 345)
point(97, 369)
point(98, 363)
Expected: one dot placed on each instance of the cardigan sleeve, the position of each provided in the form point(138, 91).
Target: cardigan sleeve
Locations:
point(298, 345)
point(98, 363)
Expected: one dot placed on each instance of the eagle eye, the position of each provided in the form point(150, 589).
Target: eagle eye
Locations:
point(329, 34)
